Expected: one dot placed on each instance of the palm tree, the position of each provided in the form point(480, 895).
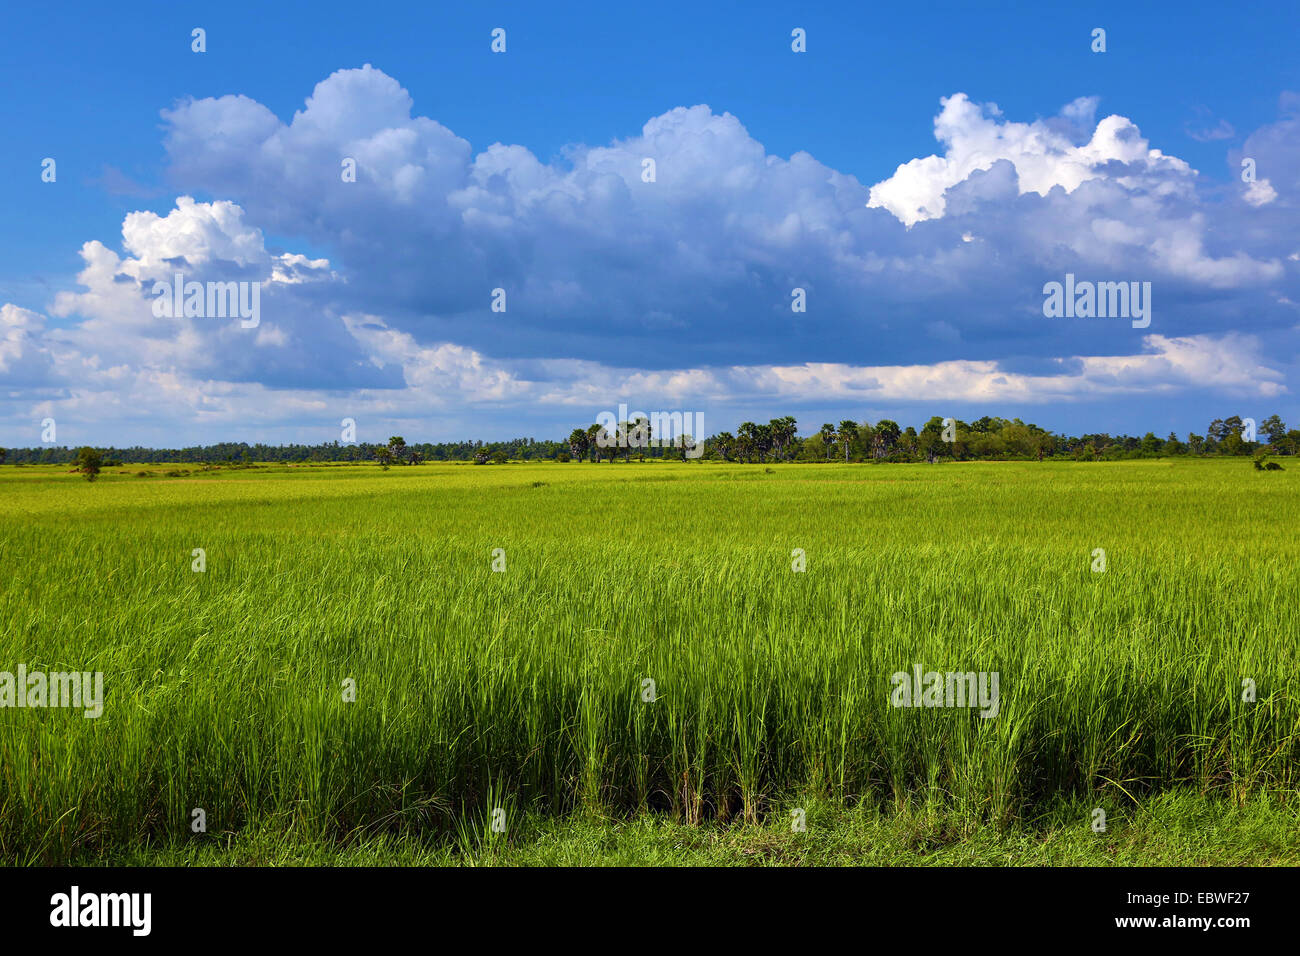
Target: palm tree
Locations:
point(848, 432)
point(625, 439)
point(397, 445)
point(752, 439)
point(887, 433)
point(829, 438)
point(783, 431)
point(578, 443)
point(641, 435)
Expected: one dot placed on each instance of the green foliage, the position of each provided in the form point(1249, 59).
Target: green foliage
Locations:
point(1273, 429)
point(89, 462)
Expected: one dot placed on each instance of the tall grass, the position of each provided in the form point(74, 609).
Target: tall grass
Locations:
point(525, 689)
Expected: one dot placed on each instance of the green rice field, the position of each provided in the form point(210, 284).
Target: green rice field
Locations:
point(620, 663)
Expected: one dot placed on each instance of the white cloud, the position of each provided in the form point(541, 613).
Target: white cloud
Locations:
point(704, 257)
point(1260, 193)
point(1043, 157)
point(205, 242)
point(679, 288)
point(20, 341)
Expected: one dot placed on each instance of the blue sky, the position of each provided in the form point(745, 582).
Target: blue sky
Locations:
point(923, 258)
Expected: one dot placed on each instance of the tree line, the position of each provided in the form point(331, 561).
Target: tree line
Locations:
point(237, 453)
point(987, 438)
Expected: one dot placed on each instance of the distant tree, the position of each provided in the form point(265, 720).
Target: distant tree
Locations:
point(1231, 444)
point(596, 435)
point(887, 433)
point(987, 445)
point(1043, 441)
point(89, 461)
point(782, 431)
point(578, 440)
point(639, 435)
point(1222, 429)
point(499, 457)
point(1195, 443)
point(1150, 443)
point(909, 442)
point(930, 440)
point(848, 432)
point(385, 456)
point(1271, 427)
point(749, 440)
point(620, 441)
point(1017, 438)
point(828, 438)
point(397, 446)
point(2, 456)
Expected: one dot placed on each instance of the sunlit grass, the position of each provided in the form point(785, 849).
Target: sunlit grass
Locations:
point(524, 689)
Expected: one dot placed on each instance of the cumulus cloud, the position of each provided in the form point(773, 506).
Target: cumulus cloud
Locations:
point(297, 340)
point(595, 260)
point(1043, 156)
point(679, 284)
point(24, 357)
point(1260, 193)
